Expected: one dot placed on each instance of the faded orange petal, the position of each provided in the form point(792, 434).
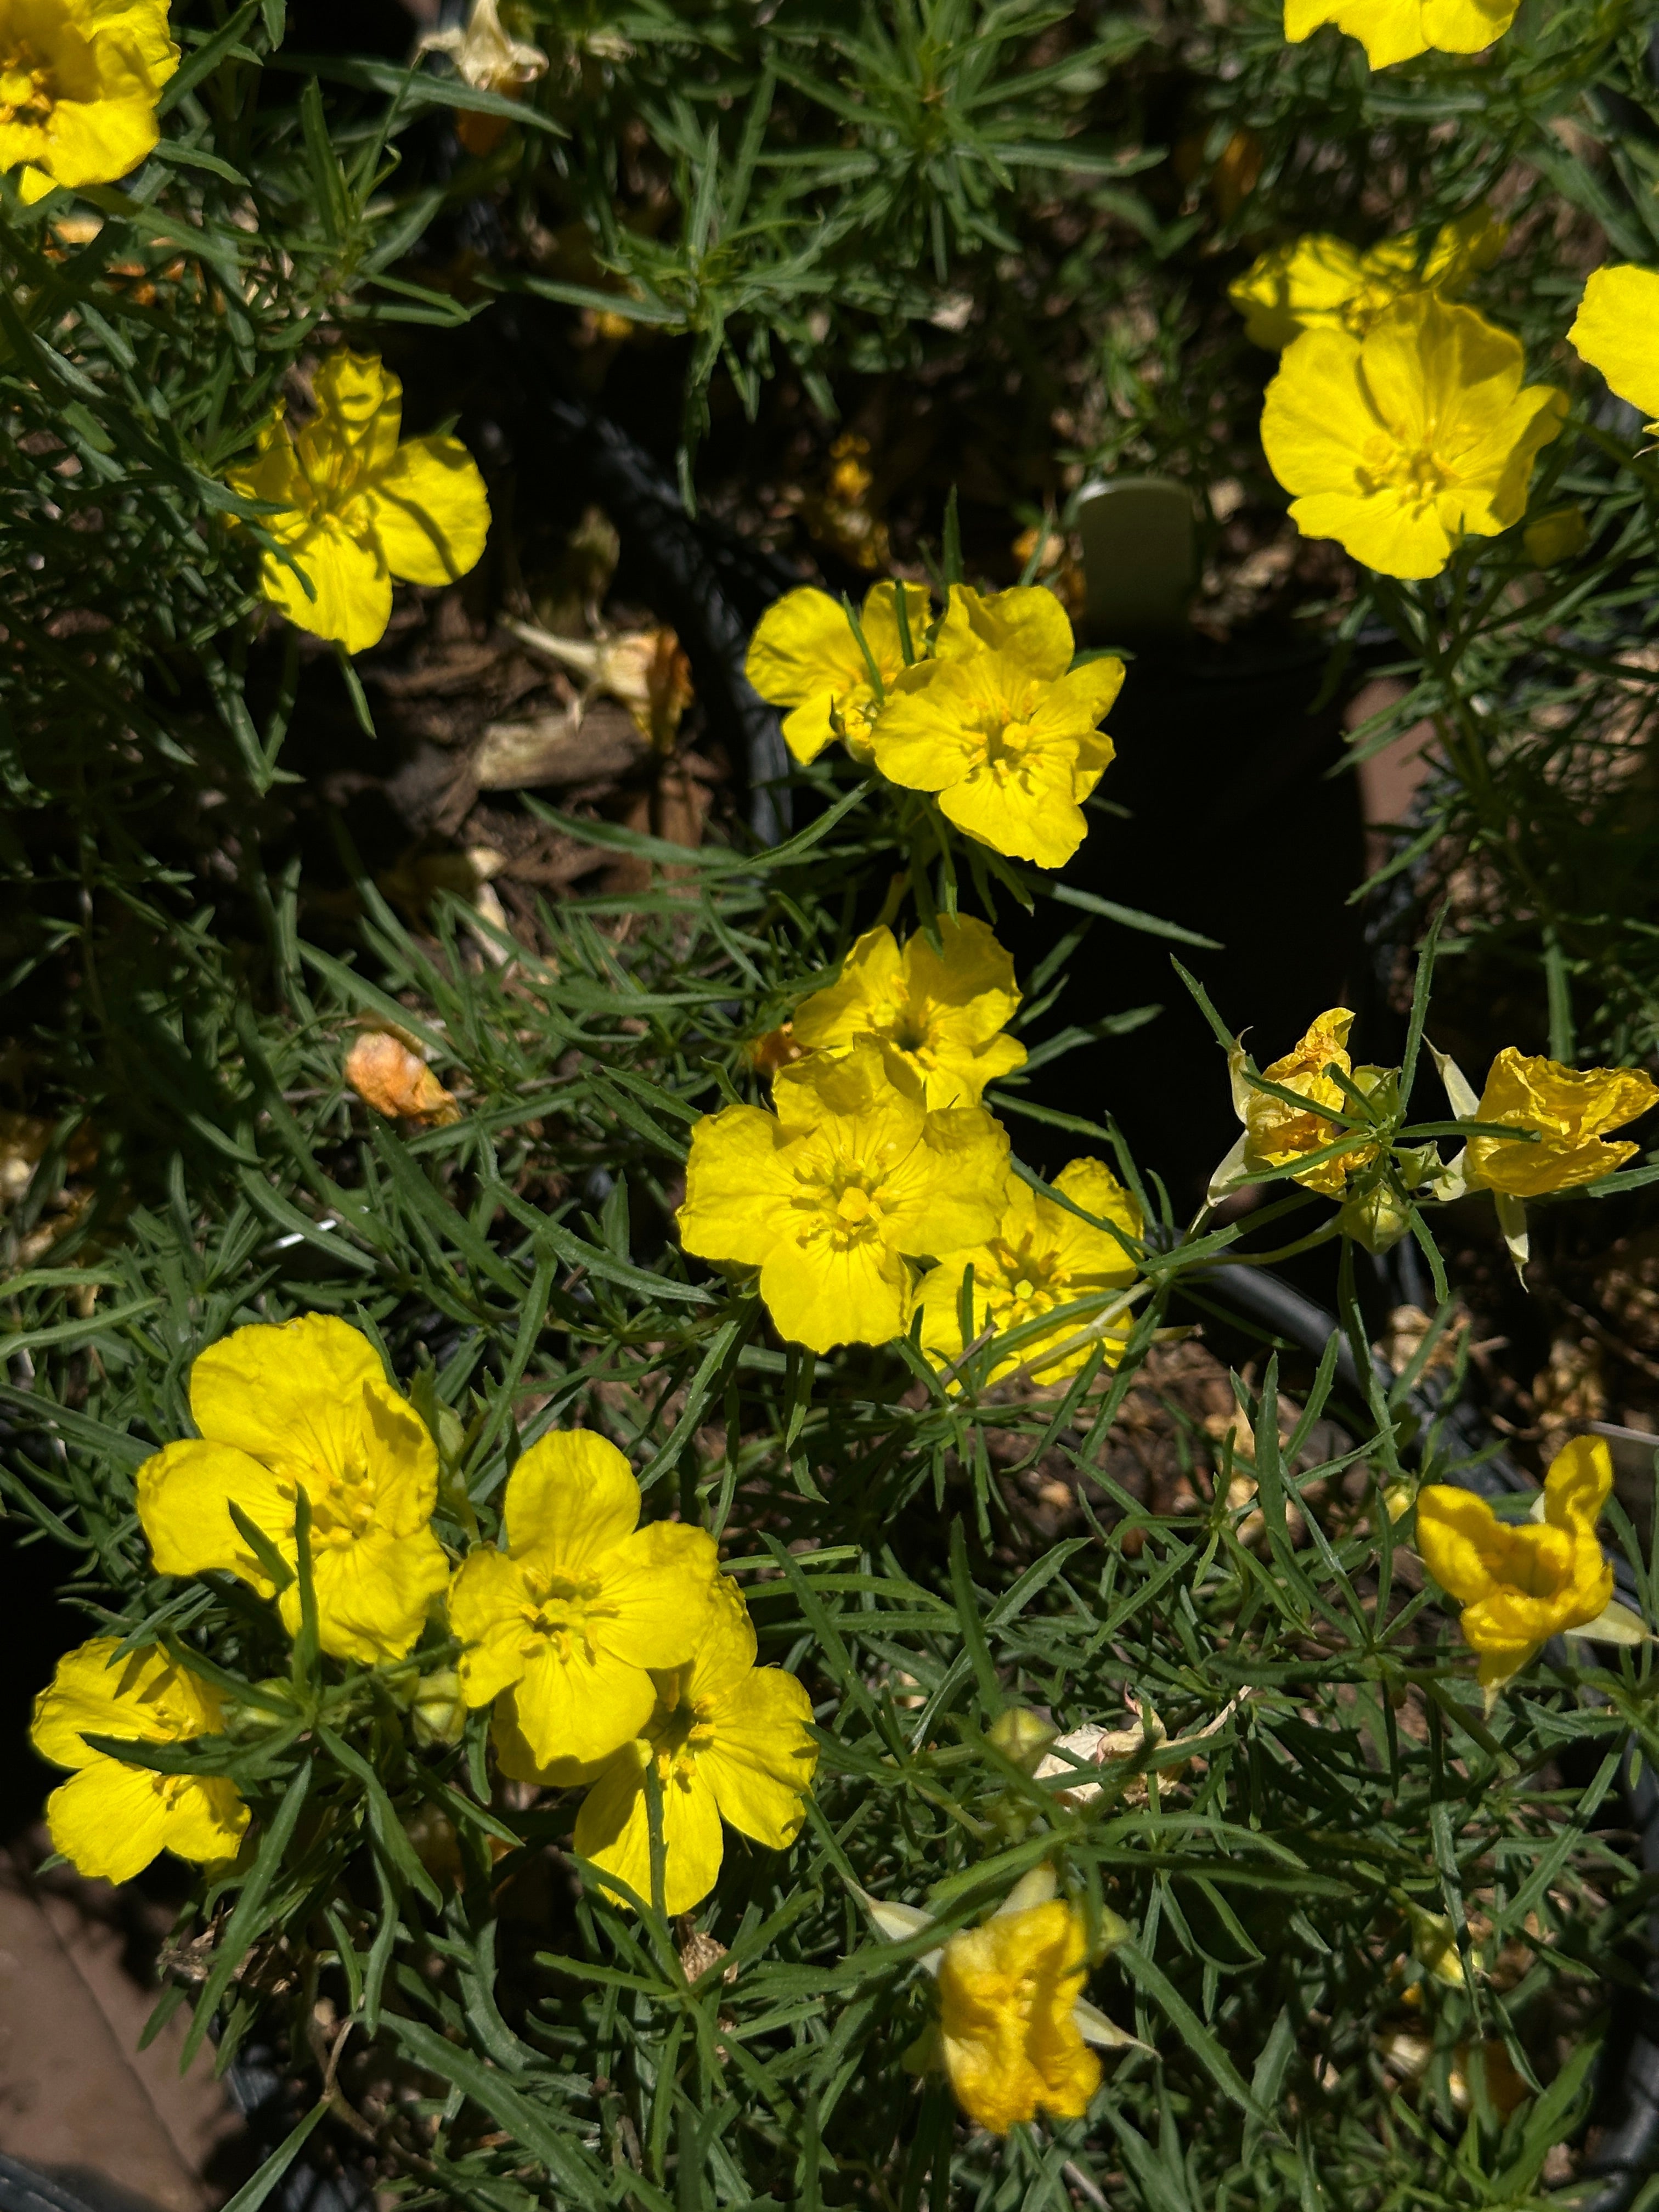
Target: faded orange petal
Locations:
point(396, 1081)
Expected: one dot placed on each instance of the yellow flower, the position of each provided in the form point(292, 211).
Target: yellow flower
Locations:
point(1001, 727)
point(1323, 283)
point(1007, 1991)
point(79, 80)
point(831, 1195)
point(1041, 1257)
point(1519, 1585)
point(569, 1617)
point(1617, 331)
point(486, 57)
point(358, 507)
point(110, 1819)
point(1573, 1107)
point(804, 654)
point(731, 1742)
point(1401, 443)
point(1276, 1133)
point(305, 1406)
point(941, 1012)
point(1396, 30)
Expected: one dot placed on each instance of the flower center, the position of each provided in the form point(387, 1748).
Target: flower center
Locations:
point(26, 89)
point(562, 1611)
point(1029, 1284)
point(846, 1204)
point(677, 1736)
point(342, 1503)
point(1007, 743)
point(1414, 472)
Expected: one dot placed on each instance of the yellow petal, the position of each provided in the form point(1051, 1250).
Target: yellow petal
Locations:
point(879, 618)
point(185, 1494)
point(205, 1817)
point(1027, 621)
point(1031, 814)
point(373, 1593)
point(1091, 1185)
point(613, 1830)
point(108, 1821)
point(571, 1499)
point(1466, 26)
point(143, 1697)
point(762, 1758)
point(803, 648)
point(431, 512)
point(867, 999)
point(821, 1297)
point(489, 1603)
point(736, 1182)
point(346, 592)
point(583, 1704)
point(360, 408)
point(1457, 1532)
point(1578, 1485)
point(1617, 331)
point(657, 1589)
point(1290, 288)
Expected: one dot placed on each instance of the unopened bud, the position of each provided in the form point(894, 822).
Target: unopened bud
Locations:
point(1021, 1736)
point(437, 1711)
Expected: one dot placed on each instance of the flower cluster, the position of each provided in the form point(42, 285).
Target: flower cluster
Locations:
point(600, 1644)
point(879, 1181)
point(981, 707)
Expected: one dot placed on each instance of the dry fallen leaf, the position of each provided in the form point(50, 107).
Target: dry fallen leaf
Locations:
point(396, 1082)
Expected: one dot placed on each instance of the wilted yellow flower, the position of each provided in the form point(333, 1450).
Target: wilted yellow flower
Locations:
point(1323, 283)
point(1395, 30)
point(1000, 726)
point(358, 507)
point(831, 1196)
point(1276, 1133)
point(110, 1819)
point(564, 1624)
point(1519, 1585)
point(804, 654)
point(486, 57)
point(1617, 331)
point(387, 1075)
point(1399, 444)
point(79, 80)
point(305, 1405)
point(1573, 1107)
point(942, 1012)
point(1041, 1257)
point(1007, 1990)
point(1013, 2025)
point(732, 1741)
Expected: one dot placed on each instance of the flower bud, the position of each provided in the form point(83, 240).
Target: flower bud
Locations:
point(437, 1713)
